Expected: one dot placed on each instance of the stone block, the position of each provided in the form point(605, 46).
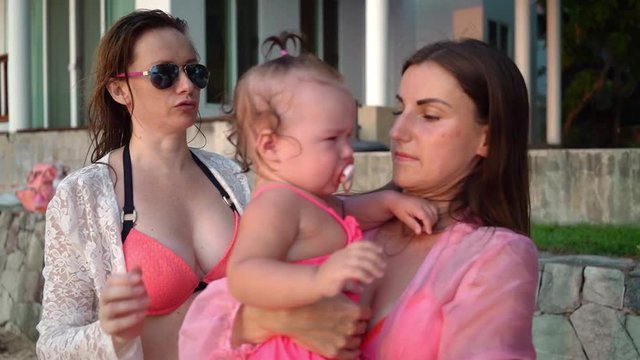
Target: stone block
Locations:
point(38, 231)
point(6, 307)
point(11, 244)
point(555, 338)
point(5, 219)
point(373, 170)
point(593, 260)
point(5, 223)
point(374, 123)
point(26, 317)
point(603, 286)
point(35, 256)
point(602, 333)
point(633, 328)
point(635, 272)
point(24, 238)
point(15, 260)
point(560, 289)
point(32, 291)
point(632, 294)
point(11, 282)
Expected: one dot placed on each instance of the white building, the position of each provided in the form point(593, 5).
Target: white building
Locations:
point(50, 43)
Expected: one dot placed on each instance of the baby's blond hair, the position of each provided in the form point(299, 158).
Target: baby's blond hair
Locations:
point(259, 94)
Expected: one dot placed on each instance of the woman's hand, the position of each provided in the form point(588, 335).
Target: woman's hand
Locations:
point(332, 327)
point(123, 306)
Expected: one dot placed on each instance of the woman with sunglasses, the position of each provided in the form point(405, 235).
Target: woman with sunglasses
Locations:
point(133, 237)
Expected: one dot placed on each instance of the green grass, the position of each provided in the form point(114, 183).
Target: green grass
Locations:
point(607, 240)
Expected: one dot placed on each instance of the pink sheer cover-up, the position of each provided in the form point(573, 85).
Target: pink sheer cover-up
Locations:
point(473, 297)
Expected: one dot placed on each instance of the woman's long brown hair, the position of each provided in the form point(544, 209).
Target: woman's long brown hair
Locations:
point(497, 189)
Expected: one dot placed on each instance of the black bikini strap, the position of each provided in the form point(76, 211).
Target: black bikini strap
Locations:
point(200, 286)
point(128, 215)
point(221, 190)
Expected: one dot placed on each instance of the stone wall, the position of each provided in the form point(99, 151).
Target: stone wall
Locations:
point(21, 263)
point(592, 186)
point(588, 307)
point(567, 185)
point(18, 152)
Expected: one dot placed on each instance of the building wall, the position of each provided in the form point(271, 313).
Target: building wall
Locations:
point(469, 23)
point(275, 16)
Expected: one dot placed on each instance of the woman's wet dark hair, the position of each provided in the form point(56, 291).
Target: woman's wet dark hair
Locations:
point(110, 122)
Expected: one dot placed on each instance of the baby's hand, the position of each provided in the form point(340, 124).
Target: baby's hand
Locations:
point(360, 262)
point(417, 213)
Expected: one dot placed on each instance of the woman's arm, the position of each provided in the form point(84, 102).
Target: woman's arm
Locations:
point(69, 326)
point(332, 327)
point(491, 315)
point(218, 327)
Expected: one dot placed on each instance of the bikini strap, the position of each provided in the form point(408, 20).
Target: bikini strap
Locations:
point(212, 178)
point(303, 194)
point(128, 215)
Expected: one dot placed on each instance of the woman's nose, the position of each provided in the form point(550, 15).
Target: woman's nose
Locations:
point(184, 83)
point(398, 131)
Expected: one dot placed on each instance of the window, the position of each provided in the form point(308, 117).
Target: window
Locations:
point(231, 43)
point(319, 26)
point(498, 35)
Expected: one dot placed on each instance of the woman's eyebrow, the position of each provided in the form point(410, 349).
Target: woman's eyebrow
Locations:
point(432, 100)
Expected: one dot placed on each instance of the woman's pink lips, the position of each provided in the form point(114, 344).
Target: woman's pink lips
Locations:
point(403, 156)
point(187, 103)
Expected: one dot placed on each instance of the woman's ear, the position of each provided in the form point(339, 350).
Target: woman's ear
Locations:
point(119, 92)
point(483, 148)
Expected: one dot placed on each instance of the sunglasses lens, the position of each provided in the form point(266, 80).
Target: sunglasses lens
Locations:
point(198, 74)
point(162, 76)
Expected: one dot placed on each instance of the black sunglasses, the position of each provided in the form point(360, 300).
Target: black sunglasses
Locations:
point(163, 76)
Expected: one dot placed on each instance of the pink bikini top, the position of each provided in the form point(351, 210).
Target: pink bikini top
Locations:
point(349, 224)
point(168, 279)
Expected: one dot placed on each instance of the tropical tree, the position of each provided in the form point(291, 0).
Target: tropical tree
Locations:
point(601, 71)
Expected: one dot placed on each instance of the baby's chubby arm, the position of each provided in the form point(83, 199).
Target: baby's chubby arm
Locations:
point(259, 274)
point(375, 208)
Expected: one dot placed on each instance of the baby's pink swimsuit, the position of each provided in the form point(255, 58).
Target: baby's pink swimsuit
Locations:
point(278, 347)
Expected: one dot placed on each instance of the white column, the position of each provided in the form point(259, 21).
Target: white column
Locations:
point(376, 23)
point(554, 92)
point(19, 65)
point(73, 63)
point(522, 46)
point(522, 43)
point(164, 5)
point(103, 17)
